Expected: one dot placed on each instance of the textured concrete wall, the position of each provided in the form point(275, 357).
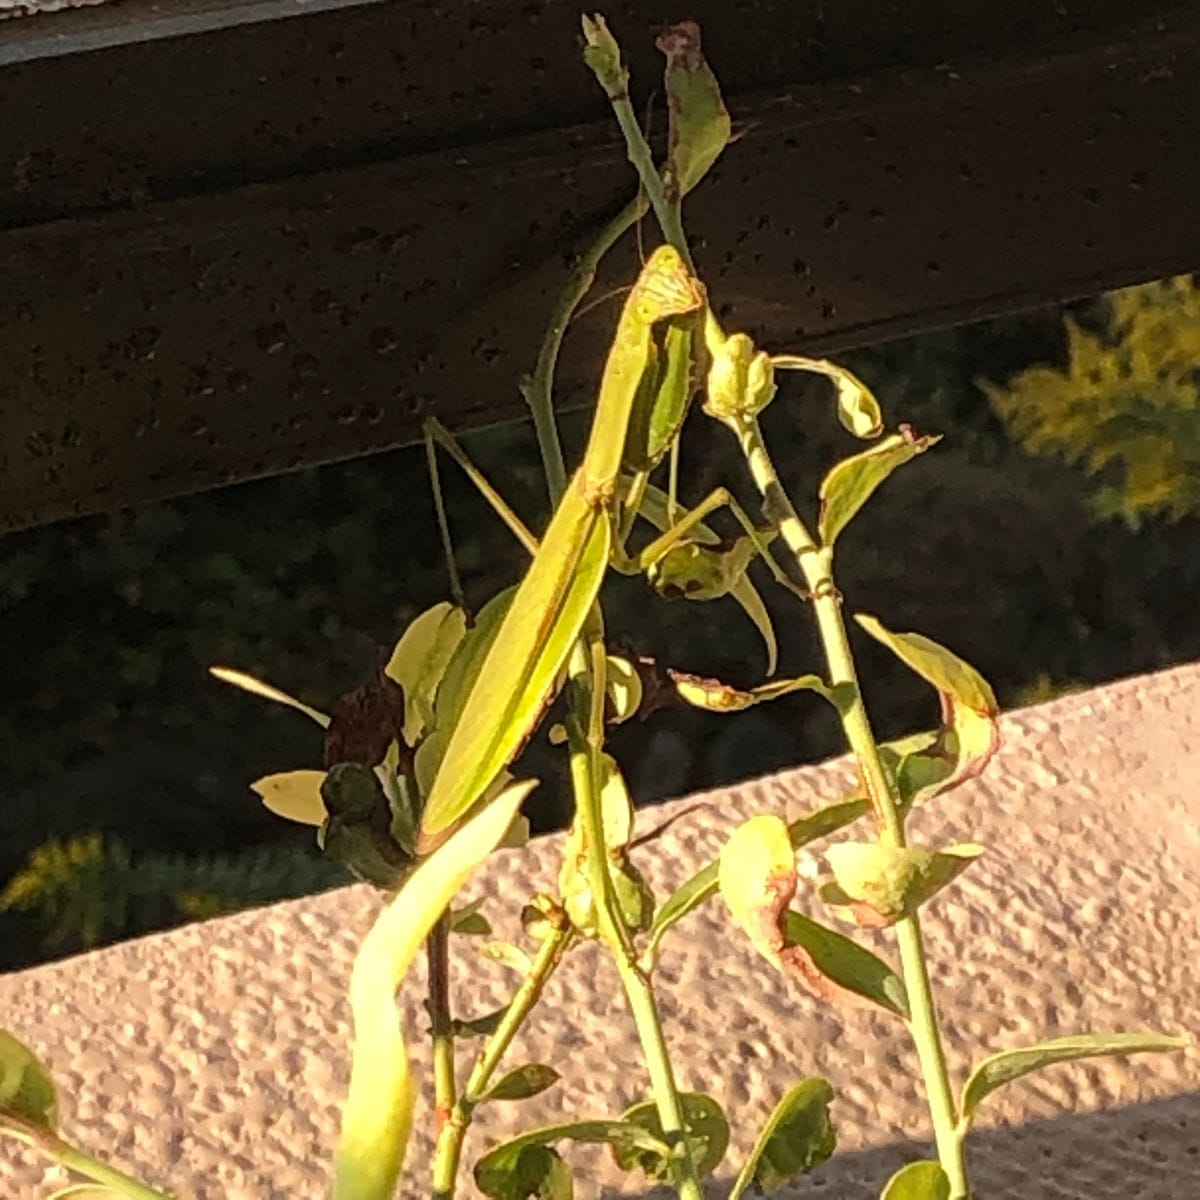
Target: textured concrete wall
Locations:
point(213, 1059)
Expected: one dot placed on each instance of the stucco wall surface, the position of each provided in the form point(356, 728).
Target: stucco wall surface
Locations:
point(213, 1059)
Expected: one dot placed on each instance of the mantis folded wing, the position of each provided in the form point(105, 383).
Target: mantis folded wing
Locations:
point(552, 603)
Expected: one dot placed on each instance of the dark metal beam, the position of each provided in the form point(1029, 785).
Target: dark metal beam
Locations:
point(236, 251)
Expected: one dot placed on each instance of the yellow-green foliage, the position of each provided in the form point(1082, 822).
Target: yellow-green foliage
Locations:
point(88, 890)
point(1126, 405)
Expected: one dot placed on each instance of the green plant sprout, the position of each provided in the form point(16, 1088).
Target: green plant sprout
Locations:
point(414, 790)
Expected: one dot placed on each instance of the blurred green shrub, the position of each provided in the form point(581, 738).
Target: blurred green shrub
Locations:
point(87, 890)
point(1126, 405)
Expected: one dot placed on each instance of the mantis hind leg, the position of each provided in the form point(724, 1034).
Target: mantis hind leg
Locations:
point(436, 434)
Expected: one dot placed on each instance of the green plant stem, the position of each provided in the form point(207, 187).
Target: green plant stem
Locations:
point(445, 1087)
point(538, 388)
point(587, 680)
point(448, 1152)
point(816, 564)
point(84, 1164)
point(588, 661)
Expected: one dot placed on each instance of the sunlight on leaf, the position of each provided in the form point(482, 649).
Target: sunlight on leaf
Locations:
point(853, 481)
point(256, 687)
point(419, 663)
point(377, 1116)
point(879, 884)
point(924, 1180)
point(757, 878)
point(294, 795)
point(994, 1072)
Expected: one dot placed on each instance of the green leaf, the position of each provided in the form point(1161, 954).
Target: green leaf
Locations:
point(655, 508)
point(469, 920)
point(703, 885)
point(27, 1094)
point(523, 1082)
point(851, 483)
point(835, 968)
point(880, 884)
point(483, 1026)
point(857, 408)
point(419, 661)
point(524, 663)
point(504, 1170)
point(705, 1127)
point(699, 125)
point(997, 1070)
point(757, 877)
point(531, 1172)
point(377, 1116)
point(924, 1180)
point(797, 1137)
point(256, 687)
point(715, 696)
point(294, 795)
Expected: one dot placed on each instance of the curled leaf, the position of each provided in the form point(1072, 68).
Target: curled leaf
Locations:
point(623, 687)
point(970, 733)
point(655, 508)
point(704, 884)
point(698, 571)
point(880, 884)
point(857, 408)
point(716, 696)
point(757, 878)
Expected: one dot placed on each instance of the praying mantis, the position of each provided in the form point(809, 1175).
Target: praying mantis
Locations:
point(649, 377)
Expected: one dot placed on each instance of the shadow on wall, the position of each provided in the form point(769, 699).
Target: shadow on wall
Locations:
point(1140, 1152)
